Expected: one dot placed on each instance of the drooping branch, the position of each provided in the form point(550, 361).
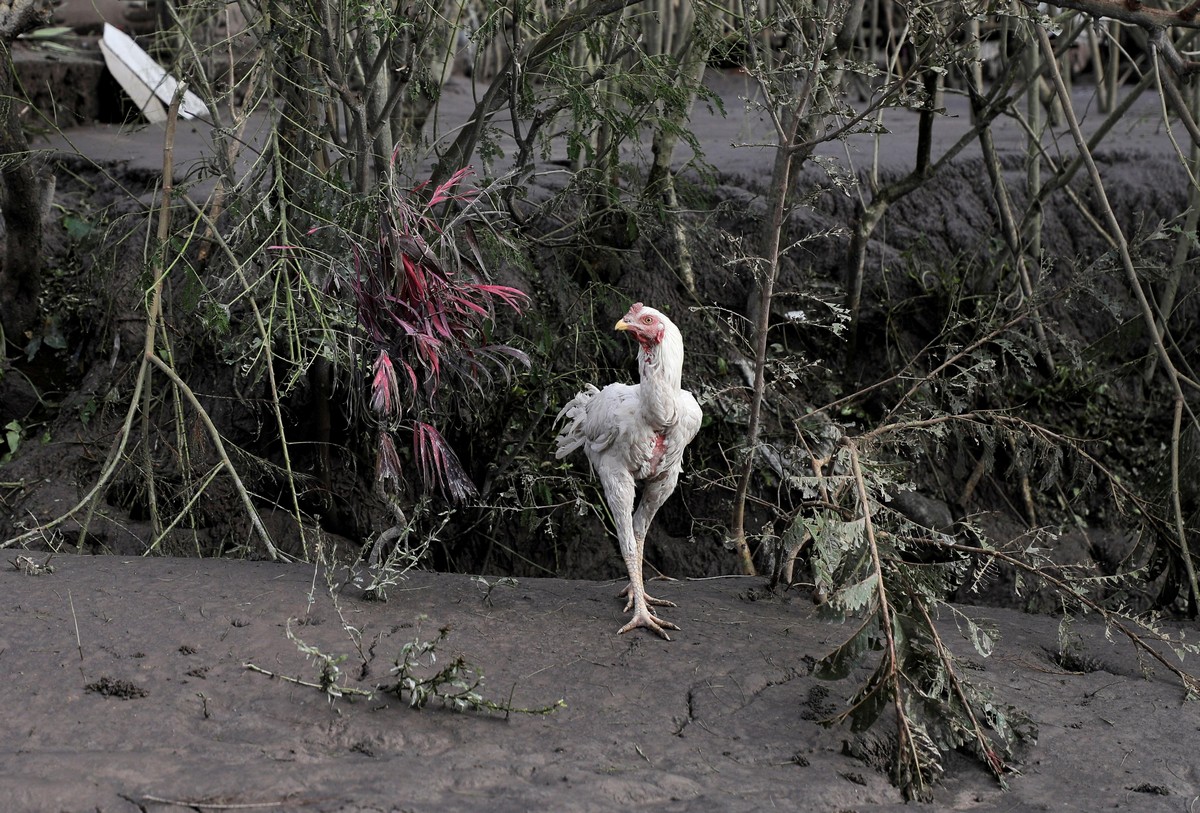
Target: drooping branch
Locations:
point(1131, 274)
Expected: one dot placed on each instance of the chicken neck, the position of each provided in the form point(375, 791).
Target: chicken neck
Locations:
point(661, 367)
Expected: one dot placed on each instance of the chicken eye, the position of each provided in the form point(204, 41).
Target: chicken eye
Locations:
point(647, 319)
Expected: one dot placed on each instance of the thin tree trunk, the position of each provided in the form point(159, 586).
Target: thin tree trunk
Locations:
point(660, 183)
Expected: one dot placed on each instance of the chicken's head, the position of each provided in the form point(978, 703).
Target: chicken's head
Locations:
point(646, 324)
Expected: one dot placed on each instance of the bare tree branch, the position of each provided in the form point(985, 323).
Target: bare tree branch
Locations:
point(1136, 13)
point(19, 16)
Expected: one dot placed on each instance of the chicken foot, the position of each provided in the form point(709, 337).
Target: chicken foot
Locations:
point(651, 600)
point(639, 601)
point(627, 593)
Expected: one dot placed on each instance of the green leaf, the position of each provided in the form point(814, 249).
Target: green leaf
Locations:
point(858, 595)
point(870, 701)
point(12, 436)
point(76, 227)
point(46, 33)
point(981, 639)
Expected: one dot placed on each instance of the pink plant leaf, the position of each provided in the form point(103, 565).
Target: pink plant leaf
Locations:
point(427, 347)
point(443, 193)
point(473, 306)
point(439, 464)
point(415, 274)
point(385, 390)
point(414, 245)
point(494, 350)
point(515, 298)
point(439, 324)
point(387, 461)
point(473, 242)
point(412, 375)
point(408, 327)
point(424, 305)
point(479, 375)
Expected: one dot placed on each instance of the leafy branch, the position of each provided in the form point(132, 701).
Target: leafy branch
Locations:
point(330, 678)
point(456, 685)
point(935, 709)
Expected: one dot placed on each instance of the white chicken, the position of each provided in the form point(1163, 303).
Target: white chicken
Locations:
point(632, 433)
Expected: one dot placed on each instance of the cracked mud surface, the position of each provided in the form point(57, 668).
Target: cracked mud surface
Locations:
point(724, 717)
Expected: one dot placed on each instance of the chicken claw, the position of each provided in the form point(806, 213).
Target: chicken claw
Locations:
point(650, 622)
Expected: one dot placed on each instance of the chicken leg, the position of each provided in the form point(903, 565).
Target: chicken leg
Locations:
point(654, 494)
point(619, 490)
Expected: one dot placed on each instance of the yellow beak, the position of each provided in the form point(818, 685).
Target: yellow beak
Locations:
point(621, 325)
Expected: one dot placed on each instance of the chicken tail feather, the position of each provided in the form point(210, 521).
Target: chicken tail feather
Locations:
point(571, 436)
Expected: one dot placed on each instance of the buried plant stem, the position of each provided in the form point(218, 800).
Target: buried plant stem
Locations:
point(793, 146)
point(197, 492)
point(301, 682)
point(117, 451)
point(908, 753)
point(150, 357)
point(269, 365)
point(994, 762)
point(1176, 500)
point(153, 314)
point(75, 621)
point(143, 392)
point(148, 461)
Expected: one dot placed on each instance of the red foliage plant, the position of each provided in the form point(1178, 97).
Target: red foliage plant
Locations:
point(425, 311)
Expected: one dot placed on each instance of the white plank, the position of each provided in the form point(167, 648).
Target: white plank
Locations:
point(145, 80)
